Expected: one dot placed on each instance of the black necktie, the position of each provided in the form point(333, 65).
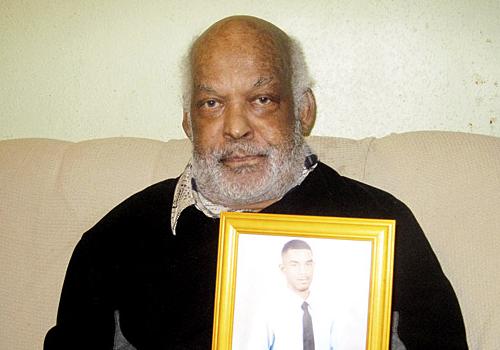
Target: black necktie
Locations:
point(307, 328)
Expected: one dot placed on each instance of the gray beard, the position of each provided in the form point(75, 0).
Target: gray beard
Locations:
point(249, 184)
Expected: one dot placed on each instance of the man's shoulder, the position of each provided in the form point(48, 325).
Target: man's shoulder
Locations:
point(145, 211)
point(349, 197)
point(158, 193)
point(154, 199)
point(336, 181)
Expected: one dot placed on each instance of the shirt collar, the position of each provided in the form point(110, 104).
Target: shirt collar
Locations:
point(186, 194)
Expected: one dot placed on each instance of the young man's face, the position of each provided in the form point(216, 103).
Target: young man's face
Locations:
point(298, 268)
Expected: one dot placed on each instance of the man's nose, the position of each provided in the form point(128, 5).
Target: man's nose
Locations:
point(236, 123)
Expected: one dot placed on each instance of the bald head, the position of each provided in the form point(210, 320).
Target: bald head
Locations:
point(254, 30)
point(245, 38)
point(245, 23)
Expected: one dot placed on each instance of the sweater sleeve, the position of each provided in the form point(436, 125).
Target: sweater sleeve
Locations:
point(429, 313)
point(85, 317)
point(98, 276)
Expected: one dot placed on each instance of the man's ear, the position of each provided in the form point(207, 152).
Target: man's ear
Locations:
point(186, 125)
point(307, 112)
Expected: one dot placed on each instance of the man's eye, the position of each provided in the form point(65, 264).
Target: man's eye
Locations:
point(211, 103)
point(264, 100)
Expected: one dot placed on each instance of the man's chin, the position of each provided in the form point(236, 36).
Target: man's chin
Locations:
point(243, 182)
point(240, 188)
point(244, 162)
point(303, 286)
point(236, 168)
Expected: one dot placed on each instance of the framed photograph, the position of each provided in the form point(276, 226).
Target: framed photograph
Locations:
point(298, 282)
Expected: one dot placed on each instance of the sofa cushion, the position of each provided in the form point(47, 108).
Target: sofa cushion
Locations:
point(451, 181)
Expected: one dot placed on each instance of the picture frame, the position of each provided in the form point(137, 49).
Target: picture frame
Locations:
point(353, 268)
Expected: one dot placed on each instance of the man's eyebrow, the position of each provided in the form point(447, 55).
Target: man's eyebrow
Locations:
point(263, 81)
point(206, 88)
point(297, 261)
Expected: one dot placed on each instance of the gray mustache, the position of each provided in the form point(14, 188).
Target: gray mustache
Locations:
point(245, 149)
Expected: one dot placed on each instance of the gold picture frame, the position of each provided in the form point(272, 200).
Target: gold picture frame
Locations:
point(368, 243)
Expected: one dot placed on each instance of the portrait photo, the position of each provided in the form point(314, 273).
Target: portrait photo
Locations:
point(336, 282)
point(293, 283)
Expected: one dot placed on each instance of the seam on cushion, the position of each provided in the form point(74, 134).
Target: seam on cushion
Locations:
point(59, 182)
point(368, 149)
point(157, 162)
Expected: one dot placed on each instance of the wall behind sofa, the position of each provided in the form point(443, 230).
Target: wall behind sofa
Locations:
point(88, 69)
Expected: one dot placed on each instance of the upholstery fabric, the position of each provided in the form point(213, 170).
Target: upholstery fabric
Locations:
point(52, 191)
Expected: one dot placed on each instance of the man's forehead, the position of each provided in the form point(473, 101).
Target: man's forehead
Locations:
point(292, 254)
point(241, 39)
point(212, 86)
point(261, 81)
point(239, 50)
point(211, 75)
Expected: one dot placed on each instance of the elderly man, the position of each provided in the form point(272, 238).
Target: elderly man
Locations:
point(144, 276)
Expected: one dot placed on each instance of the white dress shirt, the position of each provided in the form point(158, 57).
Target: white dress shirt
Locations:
point(277, 324)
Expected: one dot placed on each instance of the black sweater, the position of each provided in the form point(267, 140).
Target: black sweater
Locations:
point(164, 285)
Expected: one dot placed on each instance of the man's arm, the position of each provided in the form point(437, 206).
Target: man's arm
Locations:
point(429, 313)
point(85, 317)
point(100, 278)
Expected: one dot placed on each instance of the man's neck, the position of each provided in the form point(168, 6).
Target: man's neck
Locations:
point(303, 294)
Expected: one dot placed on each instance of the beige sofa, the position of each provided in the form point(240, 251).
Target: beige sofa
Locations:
point(52, 191)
